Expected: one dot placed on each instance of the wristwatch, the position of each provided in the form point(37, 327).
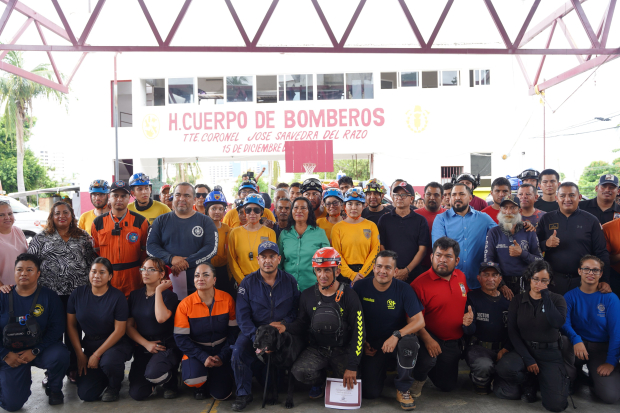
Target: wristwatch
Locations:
point(35, 351)
point(396, 334)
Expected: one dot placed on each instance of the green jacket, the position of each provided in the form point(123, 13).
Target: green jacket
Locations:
point(297, 253)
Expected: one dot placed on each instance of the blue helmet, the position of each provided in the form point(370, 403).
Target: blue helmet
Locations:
point(254, 199)
point(139, 179)
point(333, 192)
point(247, 185)
point(215, 197)
point(99, 186)
point(355, 194)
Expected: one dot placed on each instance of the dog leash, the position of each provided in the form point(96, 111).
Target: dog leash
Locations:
point(266, 380)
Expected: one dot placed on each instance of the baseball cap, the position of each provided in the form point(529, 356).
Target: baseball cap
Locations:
point(510, 198)
point(408, 188)
point(165, 186)
point(608, 179)
point(490, 264)
point(120, 185)
point(268, 245)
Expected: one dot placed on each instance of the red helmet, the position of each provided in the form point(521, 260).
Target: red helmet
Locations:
point(326, 258)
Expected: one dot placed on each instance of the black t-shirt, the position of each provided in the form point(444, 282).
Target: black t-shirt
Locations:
point(490, 317)
point(545, 205)
point(142, 310)
point(374, 216)
point(387, 311)
point(404, 235)
point(96, 315)
point(604, 217)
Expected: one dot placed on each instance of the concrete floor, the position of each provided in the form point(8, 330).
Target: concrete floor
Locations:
point(463, 400)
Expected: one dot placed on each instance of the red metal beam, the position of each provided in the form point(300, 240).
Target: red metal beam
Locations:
point(75, 69)
point(442, 18)
point(65, 23)
point(177, 22)
point(585, 23)
point(524, 71)
point(526, 23)
point(261, 29)
point(610, 15)
point(6, 14)
point(235, 17)
point(414, 26)
point(599, 31)
point(347, 32)
point(17, 35)
point(31, 76)
point(326, 25)
point(149, 19)
point(543, 57)
point(48, 24)
point(49, 54)
point(548, 21)
point(498, 23)
point(591, 64)
point(91, 22)
point(570, 39)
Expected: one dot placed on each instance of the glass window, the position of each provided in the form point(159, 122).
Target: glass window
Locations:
point(359, 86)
point(210, 90)
point(239, 88)
point(296, 87)
point(430, 79)
point(330, 87)
point(409, 79)
point(266, 89)
point(388, 80)
point(181, 90)
point(478, 77)
point(450, 78)
point(155, 90)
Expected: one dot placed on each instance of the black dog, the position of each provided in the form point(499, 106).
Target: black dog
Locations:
point(284, 349)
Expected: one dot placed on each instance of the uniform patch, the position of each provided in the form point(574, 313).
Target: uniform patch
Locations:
point(601, 310)
point(554, 226)
point(216, 197)
point(391, 304)
point(616, 215)
point(241, 291)
point(132, 237)
point(197, 231)
point(38, 310)
point(264, 239)
point(463, 290)
point(367, 233)
point(371, 300)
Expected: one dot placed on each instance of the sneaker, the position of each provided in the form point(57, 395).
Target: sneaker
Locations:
point(109, 395)
point(171, 394)
point(241, 402)
point(56, 398)
point(406, 401)
point(200, 394)
point(529, 395)
point(44, 381)
point(416, 388)
point(73, 376)
point(482, 390)
point(316, 392)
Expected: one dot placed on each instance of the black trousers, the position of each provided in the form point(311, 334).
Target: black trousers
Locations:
point(563, 283)
point(310, 366)
point(222, 281)
point(481, 362)
point(552, 378)
point(443, 370)
point(149, 370)
point(72, 357)
point(514, 283)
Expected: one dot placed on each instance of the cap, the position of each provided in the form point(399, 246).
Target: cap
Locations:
point(608, 179)
point(408, 188)
point(490, 264)
point(165, 186)
point(120, 185)
point(268, 245)
point(510, 198)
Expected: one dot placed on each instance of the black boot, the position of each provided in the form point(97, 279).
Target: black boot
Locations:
point(529, 394)
point(241, 402)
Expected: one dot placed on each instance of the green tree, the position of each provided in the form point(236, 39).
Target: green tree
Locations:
point(17, 95)
point(358, 171)
point(591, 174)
point(262, 183)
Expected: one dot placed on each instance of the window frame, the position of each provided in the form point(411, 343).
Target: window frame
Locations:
point(458, 78)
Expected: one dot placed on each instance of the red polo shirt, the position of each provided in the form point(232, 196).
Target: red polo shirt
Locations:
point(492, 212)
point(444, 303)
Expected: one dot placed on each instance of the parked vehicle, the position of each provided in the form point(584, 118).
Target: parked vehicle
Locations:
point(29, 220)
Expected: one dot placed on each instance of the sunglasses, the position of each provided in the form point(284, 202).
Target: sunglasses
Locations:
point(254, 210)
point(201, 194)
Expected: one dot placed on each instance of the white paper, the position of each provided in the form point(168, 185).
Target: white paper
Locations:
point(179, 284)
point(339, 397)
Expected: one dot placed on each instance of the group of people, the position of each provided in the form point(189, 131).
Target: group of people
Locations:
point(520, 289)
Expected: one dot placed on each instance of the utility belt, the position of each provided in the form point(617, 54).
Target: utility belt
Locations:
point(214, 344)
point(126, 266)
point(23, 334)
point(491, 345)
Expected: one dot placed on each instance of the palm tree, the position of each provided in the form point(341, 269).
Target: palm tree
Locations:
point(17, 95)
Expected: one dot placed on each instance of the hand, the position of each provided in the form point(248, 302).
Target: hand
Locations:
point(93, 362)
point(349, 379)
point(5, 288)
point(213, 361)
point(183, 265)
point(369, 351)
point(268, 223)
point(580, 351)
point(515, 250)
point(163, 286)
point(553, 240)
point(176, 261)
point(507, 292)
point(26, 355)
point(82, 362)
point(154, 347)
point(357, 278)
point(468, 318)
point(500, 354)
point(602, 287)
point(433, 347)
point(13, 360)
point(402, 274)
point(605, 369)
point(533, 368)
point(390, 344)
point(527, 225)
point(281, 327)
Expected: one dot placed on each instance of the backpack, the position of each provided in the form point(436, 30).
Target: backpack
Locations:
point(18, 336)
point(326, 325)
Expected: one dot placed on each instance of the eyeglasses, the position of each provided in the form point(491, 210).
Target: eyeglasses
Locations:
point(332, 204)
point(594, 271)
point(543, 281)
point(246, 191)
point(151, 271)
point(252, 210)
point(401, 196)
point(201, 194)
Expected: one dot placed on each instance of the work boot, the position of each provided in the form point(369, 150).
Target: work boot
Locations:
point(170, 393)
point(241, 402)
point(482, 390)
point(316, 392)
point(200, 394)
point(56, 398)
point(416, 388)
point(110, 395)
point(529, 394)
point(406, 401)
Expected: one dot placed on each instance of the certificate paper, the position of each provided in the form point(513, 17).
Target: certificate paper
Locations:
point(339, 397)
point(179, 285)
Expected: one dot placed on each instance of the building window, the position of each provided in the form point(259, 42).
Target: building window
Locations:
point(360, 86)
point(448, 171)
point(450, 78)
point(210, 90)
point(125, 103)
point(267, 89)
point(330, 87)
point(481, 164)
point(479, 77)
point(181, 90)
point(430, 80)
point(409, 79)
point(239, 88)
point(389, 80)
point(155, 90)
point(295, 87)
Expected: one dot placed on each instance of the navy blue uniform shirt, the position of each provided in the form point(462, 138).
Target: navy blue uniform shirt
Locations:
point(490, 317)
point(604, 217)
point(404, 235)
point(142, 310)
point(96, 315)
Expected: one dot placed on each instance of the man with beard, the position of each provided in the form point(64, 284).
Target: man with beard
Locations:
point(466, 226)
point(511, 246)
point(499, 189)
point(312, 189)
point(528, 195)
point(375, 191)
point(604, 206)
point(433, 199)
point(472, 183)
point(99, 195)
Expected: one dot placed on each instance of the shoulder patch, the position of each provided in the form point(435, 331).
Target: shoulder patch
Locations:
point(138, 219)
